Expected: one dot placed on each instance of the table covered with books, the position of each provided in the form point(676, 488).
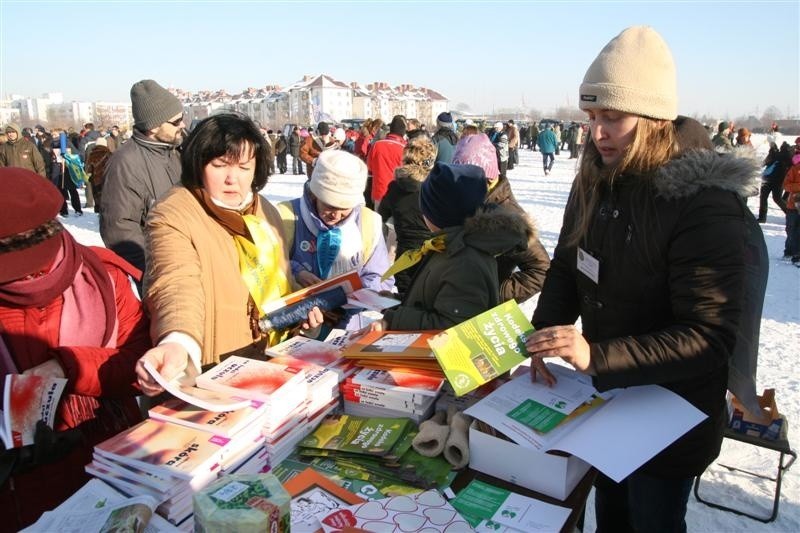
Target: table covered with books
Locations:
point(392, 431)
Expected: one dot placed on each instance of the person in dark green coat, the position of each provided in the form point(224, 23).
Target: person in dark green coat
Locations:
point(457, 278)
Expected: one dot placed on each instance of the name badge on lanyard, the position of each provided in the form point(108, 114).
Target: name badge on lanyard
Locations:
point(588, 265)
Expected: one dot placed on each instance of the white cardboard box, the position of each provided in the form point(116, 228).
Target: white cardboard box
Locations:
point(548, 473)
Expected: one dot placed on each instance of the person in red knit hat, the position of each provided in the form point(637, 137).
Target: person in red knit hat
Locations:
point(66, 310)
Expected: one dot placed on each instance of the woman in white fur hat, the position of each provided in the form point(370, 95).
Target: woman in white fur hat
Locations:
point(652, 259)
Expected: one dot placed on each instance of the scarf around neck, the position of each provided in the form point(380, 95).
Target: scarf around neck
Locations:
point(89, 313)
point(232, 221)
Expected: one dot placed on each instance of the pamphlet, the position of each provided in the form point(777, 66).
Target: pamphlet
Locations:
point(616, 435)
point(426, 511)
point(312, 494)
point(26, 400)
point(483, 347)
point(183, 387)
point(369, 299)
point(480, 502)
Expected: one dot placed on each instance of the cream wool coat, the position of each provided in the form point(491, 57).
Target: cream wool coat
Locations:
point(193, 284)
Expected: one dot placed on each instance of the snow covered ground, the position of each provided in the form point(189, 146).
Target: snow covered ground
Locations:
point(544, 198)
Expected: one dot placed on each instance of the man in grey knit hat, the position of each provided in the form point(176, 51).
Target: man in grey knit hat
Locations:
point(142, 170)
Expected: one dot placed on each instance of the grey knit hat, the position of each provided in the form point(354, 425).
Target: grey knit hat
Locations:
point(152, 105)
point(634, 73)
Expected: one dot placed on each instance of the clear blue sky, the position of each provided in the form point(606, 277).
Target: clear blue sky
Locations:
point(732, 58)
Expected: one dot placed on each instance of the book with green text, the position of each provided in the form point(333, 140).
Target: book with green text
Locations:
point(482, 348)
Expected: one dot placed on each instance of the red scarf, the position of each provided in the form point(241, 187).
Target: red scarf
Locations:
point(89, 315)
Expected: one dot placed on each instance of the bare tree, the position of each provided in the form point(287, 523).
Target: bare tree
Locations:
point(771, 114)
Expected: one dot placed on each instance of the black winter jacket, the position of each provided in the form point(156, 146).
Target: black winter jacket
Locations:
point(669, 298)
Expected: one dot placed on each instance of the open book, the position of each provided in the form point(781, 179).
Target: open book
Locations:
point(26, 400)
point(98, 507)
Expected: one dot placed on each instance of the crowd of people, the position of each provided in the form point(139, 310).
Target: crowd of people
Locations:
point(651, 256)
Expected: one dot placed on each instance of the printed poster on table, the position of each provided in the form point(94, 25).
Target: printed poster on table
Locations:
point(483, 347)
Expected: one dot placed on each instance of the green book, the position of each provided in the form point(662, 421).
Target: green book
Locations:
point(361, 435)
point(483, 347)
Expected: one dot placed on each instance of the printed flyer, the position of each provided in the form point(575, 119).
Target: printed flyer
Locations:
point(483, 347)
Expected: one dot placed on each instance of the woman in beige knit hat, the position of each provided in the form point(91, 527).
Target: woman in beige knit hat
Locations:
point(651, 259)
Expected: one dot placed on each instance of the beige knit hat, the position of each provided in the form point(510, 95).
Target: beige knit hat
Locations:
point(634, 73)
point(339, 179)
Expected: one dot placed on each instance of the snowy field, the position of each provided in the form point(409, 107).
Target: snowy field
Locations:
point(544, 198)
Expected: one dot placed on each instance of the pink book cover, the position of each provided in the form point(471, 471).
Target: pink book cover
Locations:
point(170, 449)
point(316, 375)
point(250, 378)
point(399, 381)
point(311, 350)
point(26, 400)
point(226, 423)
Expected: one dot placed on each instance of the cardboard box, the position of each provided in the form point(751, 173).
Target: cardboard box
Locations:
point(767, 424)
point(545, 472)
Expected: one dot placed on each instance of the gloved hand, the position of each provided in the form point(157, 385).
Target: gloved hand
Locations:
point(48, 447)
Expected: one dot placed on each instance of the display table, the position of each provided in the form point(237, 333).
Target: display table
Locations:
point(575, 502)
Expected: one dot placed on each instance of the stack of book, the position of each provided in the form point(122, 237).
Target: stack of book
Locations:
point(170, 461)
point(394, 350)
point(324, 354)
point(322, 383)
point(391, 393)
point(283, 389)
point(374, 449)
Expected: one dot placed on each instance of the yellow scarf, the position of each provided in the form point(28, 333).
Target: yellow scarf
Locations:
point(410, 258)
point(260, 262)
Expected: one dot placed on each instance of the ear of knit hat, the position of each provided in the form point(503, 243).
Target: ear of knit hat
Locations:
point(152, 105)
point(339, 179)
point(452, 193)
point(634, 73)
point(477, 150)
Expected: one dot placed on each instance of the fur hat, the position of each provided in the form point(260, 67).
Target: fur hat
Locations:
point(444, 120)
point(633, 73)
point(339, 179)
point(452, 193)
point(477, 150)
point(28, 227)
point(498, 125)
point(152, 105)
point(339, 135)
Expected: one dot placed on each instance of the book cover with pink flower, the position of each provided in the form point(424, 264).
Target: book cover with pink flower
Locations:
point(400, 381)
point(253, 379)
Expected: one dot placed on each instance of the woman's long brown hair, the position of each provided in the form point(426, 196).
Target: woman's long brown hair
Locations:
point(654, 143)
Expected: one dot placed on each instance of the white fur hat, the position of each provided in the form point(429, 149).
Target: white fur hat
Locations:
point(339, 179)
point(634, 73)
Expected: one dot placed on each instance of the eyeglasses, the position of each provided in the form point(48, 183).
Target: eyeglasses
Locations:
point(177, 122)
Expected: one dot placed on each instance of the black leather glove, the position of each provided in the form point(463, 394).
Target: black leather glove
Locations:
point(48, 447)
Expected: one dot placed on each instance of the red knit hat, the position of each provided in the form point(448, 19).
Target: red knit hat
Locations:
point(28, 225)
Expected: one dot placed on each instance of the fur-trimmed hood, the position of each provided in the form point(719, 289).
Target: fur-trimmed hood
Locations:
point(494, 230)
point(409, 177)
point(737, 171)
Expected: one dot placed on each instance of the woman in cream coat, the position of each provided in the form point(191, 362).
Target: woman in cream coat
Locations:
point(215, 252)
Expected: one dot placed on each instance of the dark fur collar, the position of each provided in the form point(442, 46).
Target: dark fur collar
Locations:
point(737, 171)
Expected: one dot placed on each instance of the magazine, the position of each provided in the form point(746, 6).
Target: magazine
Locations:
point(98, 507)
point(26, 400)
point(349, 281)
point(482, 348)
